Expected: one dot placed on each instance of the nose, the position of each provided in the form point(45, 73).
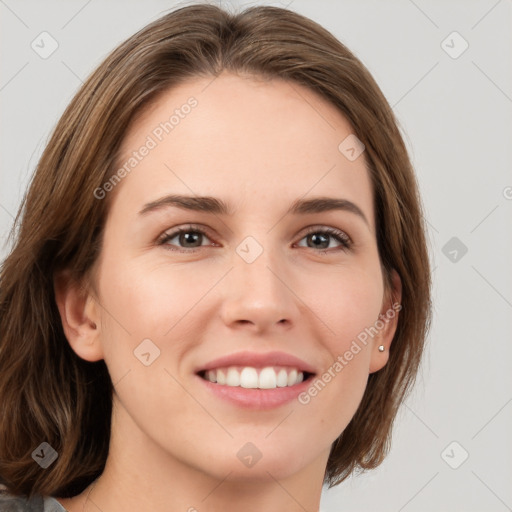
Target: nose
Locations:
point(259, 296)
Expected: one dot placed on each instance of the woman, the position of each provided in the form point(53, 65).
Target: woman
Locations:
point(268, 358)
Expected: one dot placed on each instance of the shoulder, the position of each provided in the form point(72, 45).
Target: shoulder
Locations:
point(11, 503)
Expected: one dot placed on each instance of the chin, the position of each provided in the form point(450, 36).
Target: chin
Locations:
point(265, 461)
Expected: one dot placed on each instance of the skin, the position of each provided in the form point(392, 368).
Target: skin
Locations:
point(258, 145)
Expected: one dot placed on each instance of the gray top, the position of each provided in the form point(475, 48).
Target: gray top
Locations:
point(38, 503)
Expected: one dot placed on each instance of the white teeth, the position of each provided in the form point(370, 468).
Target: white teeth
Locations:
point(268, 378)
point(248, 377)
point(233, 377)
point(292, 377)
point(282, 378)
point(221, 376)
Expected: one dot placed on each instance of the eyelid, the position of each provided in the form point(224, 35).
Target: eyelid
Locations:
point(330, 230)
point(172, 232)
point(345, 240)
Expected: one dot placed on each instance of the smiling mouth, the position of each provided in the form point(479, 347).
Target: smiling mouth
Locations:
point(268, 377)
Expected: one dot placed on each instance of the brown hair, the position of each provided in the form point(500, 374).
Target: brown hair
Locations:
point(48, 393)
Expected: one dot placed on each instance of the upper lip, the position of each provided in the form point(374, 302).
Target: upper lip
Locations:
point(258, 360)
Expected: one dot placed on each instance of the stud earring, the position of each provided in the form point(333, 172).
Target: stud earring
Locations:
point(381, 348)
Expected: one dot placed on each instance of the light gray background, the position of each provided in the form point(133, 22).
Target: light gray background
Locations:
point(456, 114)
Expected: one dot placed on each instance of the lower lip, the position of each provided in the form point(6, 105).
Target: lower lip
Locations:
point(256, 398)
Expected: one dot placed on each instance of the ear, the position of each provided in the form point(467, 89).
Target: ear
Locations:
point(387, 324)
point(79, 313)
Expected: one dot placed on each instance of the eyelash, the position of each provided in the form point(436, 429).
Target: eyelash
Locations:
point(340, 236)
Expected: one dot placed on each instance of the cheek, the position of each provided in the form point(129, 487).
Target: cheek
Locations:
point(348, 300)
point(155, 302)
point(148, 301)
point(141, 309)
point(349, 306)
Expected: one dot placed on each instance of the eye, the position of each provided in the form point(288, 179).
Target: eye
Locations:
point(190, 237)
point(319, 238)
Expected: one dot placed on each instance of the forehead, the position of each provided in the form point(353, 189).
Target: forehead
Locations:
point(253, 142)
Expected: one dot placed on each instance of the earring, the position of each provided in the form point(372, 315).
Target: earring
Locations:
point(381, 348)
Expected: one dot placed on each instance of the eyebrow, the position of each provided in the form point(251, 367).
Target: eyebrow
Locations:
point(209, 204)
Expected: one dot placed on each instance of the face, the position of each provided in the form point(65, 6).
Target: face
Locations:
point(262, 286)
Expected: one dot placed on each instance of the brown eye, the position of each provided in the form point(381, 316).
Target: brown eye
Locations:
point(320, 238)
point(186, 238)
point(190, 238)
